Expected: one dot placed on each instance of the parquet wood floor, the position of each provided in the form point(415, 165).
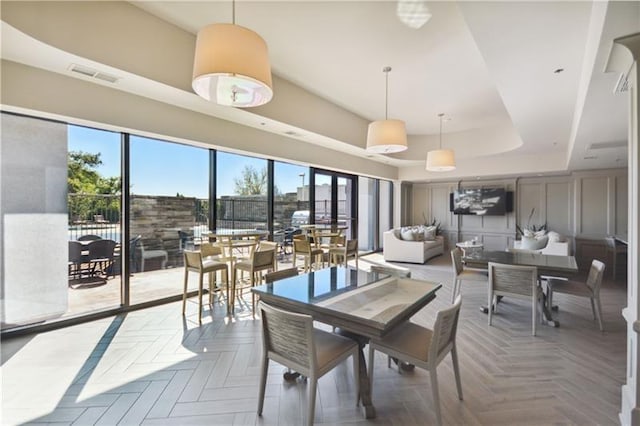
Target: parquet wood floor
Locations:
point(153, 367)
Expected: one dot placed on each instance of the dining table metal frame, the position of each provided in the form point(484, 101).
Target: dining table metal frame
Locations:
point(360, 304)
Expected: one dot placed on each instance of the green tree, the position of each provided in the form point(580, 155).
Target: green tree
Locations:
point(251, 182)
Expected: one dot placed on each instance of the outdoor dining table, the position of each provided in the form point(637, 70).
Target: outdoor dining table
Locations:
point(362, 304)
point(547, 265)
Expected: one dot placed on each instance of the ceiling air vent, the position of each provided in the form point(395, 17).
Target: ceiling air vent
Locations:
point(608, 145)
point(93, 73)
point(292, 133)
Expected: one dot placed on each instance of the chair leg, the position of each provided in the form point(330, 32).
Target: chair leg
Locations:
point(253, 295)
point(200, 285)
point(227, 284)
point(593, 309)
point(436, 395)
point(263, 383)
point(490, 307)
point(184, 291)
point(456, 370)
point(311, 412)
point(454, 292)
point(599, 312)
point(534, 312)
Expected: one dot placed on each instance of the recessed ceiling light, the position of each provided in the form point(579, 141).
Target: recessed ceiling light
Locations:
point(263, 123)
point(558, 70)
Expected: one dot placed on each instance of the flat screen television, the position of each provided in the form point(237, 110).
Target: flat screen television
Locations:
point(480, 201)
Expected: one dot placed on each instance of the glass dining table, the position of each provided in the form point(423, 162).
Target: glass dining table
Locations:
point(363, 304)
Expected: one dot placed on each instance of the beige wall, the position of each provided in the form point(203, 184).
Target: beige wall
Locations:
point(585, 206)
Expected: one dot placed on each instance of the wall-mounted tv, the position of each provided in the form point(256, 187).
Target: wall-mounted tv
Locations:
point(482, 201)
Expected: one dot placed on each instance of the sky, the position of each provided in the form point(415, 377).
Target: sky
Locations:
point(164, 168)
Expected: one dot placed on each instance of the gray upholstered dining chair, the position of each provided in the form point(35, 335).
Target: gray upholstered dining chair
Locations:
point(291, 340)
point(461, 274)
point(424, 348)
point(614, 249)
point(516, 281)
point(590, 289)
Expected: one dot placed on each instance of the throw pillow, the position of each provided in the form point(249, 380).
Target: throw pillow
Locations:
point(527, 233)
point(418, 234)
point(555, 237)
point(406, 233)
point(430, 233)
point(533, 243)
point(539, 234)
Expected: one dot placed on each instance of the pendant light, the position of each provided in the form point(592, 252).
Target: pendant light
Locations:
point(231, 65)
point(441, 160)
point(386, 136)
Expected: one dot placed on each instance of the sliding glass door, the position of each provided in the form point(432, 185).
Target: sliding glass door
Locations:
point(334, 200)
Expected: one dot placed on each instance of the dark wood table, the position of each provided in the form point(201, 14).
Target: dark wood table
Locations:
point(366, 304)
point(548, 265)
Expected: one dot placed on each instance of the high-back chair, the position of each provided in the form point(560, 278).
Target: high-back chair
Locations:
point(291, 340)
point(312, 255)
point(204, 262)
point(514, 281)
point(101, 256)
point(461, 274)
point(260, 261)
point(344, 252)
point(269, 245)
point(590, 289)
point(424, 348)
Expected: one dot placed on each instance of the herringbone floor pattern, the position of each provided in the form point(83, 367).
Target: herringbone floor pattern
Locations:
point(154, 367)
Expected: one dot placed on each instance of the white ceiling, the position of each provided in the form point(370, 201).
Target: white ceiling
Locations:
point(489, 66)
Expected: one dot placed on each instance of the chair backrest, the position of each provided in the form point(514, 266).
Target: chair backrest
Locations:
point(267, 245)
point(352, 246)
point(444, 331)
point(594, 279)
point(288, 336)
point(339, 240)
point(89, 237)
point(210, 250)
point(192, 259)
point(75, 251)
point(101, 249)
point(302, 246)
point(280, 275)
point(299, 236)
point(456, 261)
point(513, 279)
point(263, 258)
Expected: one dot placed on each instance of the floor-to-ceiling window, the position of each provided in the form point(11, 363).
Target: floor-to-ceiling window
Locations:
point(290, 198)
point(94, 217)
point(241, 192)
point(168, 210)
point(385, 208)
point(335, 200)
point(367, 213)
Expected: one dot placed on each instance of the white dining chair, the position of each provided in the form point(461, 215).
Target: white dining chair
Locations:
point(460, 273)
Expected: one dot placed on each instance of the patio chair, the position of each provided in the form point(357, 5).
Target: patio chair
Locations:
point(424, 348)
point(291, 340)
point(310, 254)
point(344, 252)
point(140, 254)
point(590, 289)
point(101, 256)
point(89, 237)
point(75, 258)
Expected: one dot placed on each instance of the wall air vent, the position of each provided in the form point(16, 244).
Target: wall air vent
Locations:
point(608, 145)
point(93, 73)
point(622, 85)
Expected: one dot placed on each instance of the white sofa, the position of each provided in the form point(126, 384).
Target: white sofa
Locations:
point(397, 250)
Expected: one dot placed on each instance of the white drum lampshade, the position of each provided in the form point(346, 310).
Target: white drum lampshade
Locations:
point(231, 66)
point(386, 136)
point(441, 160)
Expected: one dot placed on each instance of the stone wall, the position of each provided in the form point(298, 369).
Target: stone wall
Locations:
point(158, 219)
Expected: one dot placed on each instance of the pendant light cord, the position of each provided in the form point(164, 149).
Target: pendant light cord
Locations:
point(386, 92)
point(441, 115)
